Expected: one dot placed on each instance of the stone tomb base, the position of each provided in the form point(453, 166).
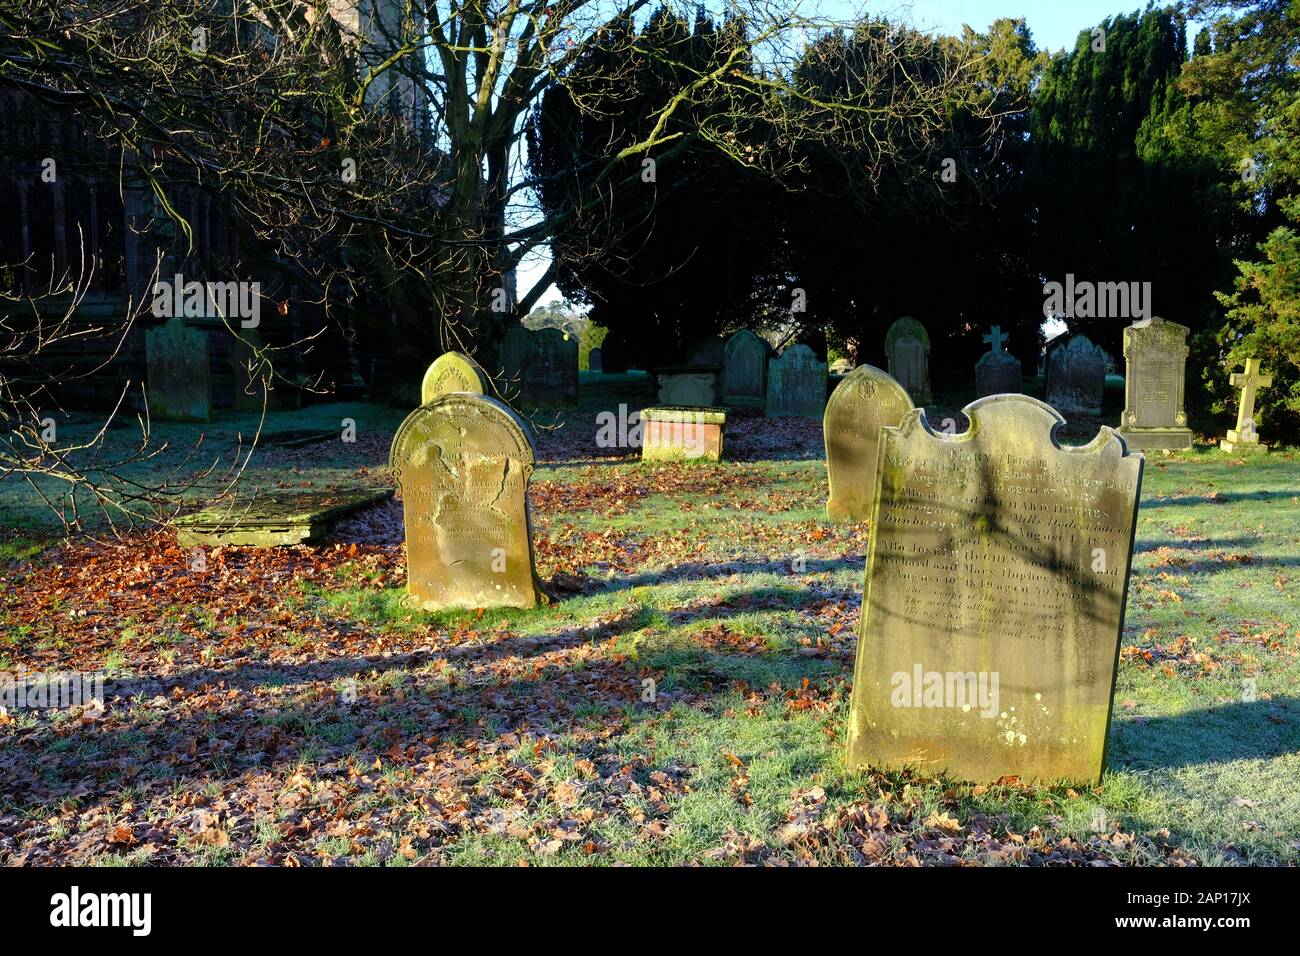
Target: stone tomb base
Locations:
point(682, 434)
point(275, 518)
point(1156, 439)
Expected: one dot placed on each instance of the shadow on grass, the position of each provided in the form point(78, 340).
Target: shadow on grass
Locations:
point(704, 571)
point(1257, 730)
point(228, 732)
point(1220, 498)
point(1194, 544)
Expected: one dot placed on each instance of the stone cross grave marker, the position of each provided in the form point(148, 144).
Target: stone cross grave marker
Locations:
point(997, 372)
point(796, 384)
point(1244, 437)
point(907, 348)
point(462, 464)
point(1076, 376)
point(865, 400)
point(997, 570)
point(1155, 357)
point(452, 372)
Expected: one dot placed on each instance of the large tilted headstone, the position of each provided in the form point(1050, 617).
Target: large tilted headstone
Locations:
point(1076, 377)
point(997, 372)
point(462, 464)
point(1155, 356)
point(996, 576)
point(179, 383)
point(1245, 437)
point(744, 375)
point(452, 372)
point(796, 384)
point(907, 349)
point(864, 401)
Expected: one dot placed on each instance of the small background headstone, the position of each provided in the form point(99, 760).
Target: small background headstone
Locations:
point(744, 376)
point(796, 384)
point(1155, 360)
point(997, 372)
point(907, 350)
point(1076, 377)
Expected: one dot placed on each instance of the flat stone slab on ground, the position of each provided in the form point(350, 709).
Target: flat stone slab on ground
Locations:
point(275, 518)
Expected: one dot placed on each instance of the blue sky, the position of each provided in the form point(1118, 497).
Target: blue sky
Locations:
point(1054, 23)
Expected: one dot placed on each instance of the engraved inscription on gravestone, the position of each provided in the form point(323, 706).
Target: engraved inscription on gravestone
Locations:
point(996, 578)
point(1076, 376)
point(865, 400)
point(462, 464)
point(1155, 355)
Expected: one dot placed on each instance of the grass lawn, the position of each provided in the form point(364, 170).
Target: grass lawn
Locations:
point(683, 700)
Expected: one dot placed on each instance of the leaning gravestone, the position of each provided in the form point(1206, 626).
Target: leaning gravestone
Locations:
point(744, 373)
point(907, 349)
point(1076, 376)
point(865, 400)
point(996, 576)
point(452, 372)
point(462, 463)
point(796, 384)
point(997, 372)
point(1155, 356)
point(177, 364)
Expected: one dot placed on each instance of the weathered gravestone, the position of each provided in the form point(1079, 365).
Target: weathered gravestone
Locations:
point(1076, 376)
point(594, 360)
point(907, 349)
point(452, 372)
point(841, 366)
point(179, 375)
point(997, 372)
point(865, 400)
point(541, 365)
point(1155, 356)
point(1244, 437)
point(796, 384)
point(744, 374)
point(996, 576)
point(706, 352)
point(462, 463)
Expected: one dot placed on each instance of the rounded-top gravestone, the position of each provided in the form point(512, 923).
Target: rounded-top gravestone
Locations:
point(1076, 376)
point(907, 349)
point(452, 372)
point(462, 463)
point(861, 404)
point(744, 374)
